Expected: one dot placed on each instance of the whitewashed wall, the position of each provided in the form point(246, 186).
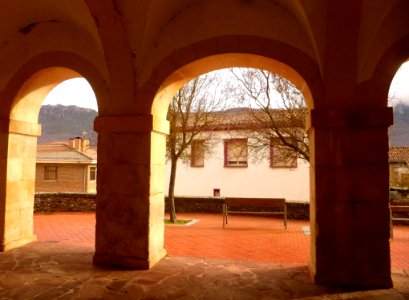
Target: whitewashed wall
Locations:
point(258, 180)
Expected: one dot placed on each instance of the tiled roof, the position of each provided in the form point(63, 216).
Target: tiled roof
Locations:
point(247, 118)
point(399, 154)
point(62, 153)
point(92, 152)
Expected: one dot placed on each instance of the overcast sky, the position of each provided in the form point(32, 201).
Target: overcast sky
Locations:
point(73, 92)
point(399, 90)
point(78, 92)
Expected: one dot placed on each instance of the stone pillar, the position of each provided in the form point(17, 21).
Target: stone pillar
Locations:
point(18, 145)
point(350, 194)
point(130, 196)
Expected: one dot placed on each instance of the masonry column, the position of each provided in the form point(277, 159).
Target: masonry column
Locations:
point(130, 196)
point(350, 194)
point(18, 145)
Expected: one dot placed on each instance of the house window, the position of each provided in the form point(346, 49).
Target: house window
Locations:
point(235, 153)
point(281, 156)
point(50, 173)
point(92, 173)
point(197, 153)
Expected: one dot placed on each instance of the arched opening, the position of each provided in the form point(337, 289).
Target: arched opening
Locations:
point(399, 168)
point(184, 74)
point(215, 62)
point(20, 154)
point(66, 168)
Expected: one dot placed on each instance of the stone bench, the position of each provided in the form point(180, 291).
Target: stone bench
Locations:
point(278, 206)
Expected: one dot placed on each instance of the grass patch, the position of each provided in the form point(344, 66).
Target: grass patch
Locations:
point(178, 222)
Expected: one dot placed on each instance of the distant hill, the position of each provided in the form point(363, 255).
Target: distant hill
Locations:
point(399, 132)
point(60, 123)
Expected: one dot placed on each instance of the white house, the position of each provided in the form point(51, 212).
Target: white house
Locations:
point(228, 171)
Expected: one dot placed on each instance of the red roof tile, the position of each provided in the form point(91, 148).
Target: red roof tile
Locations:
point(399, 154)
point(62, 153)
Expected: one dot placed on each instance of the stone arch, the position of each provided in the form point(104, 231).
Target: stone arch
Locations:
point(351, 129)
point(377, 90)
point(176, 80)
point(48, 70)
point(140, 140)
point(219, 53)
point(230, 51)
point(18, 136)
point(378, 86)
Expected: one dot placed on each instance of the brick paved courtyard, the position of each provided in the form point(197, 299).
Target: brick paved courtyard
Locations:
point(249, 238)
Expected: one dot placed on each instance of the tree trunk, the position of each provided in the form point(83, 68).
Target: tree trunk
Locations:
point(171, 192)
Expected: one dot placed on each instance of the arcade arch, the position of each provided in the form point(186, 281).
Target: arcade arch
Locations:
point(253, 181)
point(132, 191)
point(398, 169)
point(19, 132)
point(216, 62)
point(201, 66)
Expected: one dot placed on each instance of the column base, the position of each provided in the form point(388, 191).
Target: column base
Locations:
point(352, 282)
point(131, 263)
point(6, 246)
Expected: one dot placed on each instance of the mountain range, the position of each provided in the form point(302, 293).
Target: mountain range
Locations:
point(60, 123)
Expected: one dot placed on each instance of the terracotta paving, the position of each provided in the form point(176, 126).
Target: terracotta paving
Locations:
point(248, 238)
point(59, 266)
point(400, 248)
point(244, 238)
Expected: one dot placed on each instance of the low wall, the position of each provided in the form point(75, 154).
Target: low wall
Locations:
point(295, 210)
point(82, 202)
point(399, 193)
point(58, 202)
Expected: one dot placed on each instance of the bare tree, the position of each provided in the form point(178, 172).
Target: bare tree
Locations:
point(189, 114)
point(277, 111)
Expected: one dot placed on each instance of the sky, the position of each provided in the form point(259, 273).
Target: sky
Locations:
point(75, 91)
point(78, 92)
point(399, 90)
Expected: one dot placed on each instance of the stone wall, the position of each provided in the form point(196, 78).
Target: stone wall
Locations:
point(399, 193)
point(299, 211)
point(57, 202)
point(82, 202)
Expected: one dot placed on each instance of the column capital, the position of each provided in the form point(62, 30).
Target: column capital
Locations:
point(131, 123)
point(19, 127)
point(351, 118)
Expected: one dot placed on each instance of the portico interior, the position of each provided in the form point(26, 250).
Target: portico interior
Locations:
point(135, 54)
